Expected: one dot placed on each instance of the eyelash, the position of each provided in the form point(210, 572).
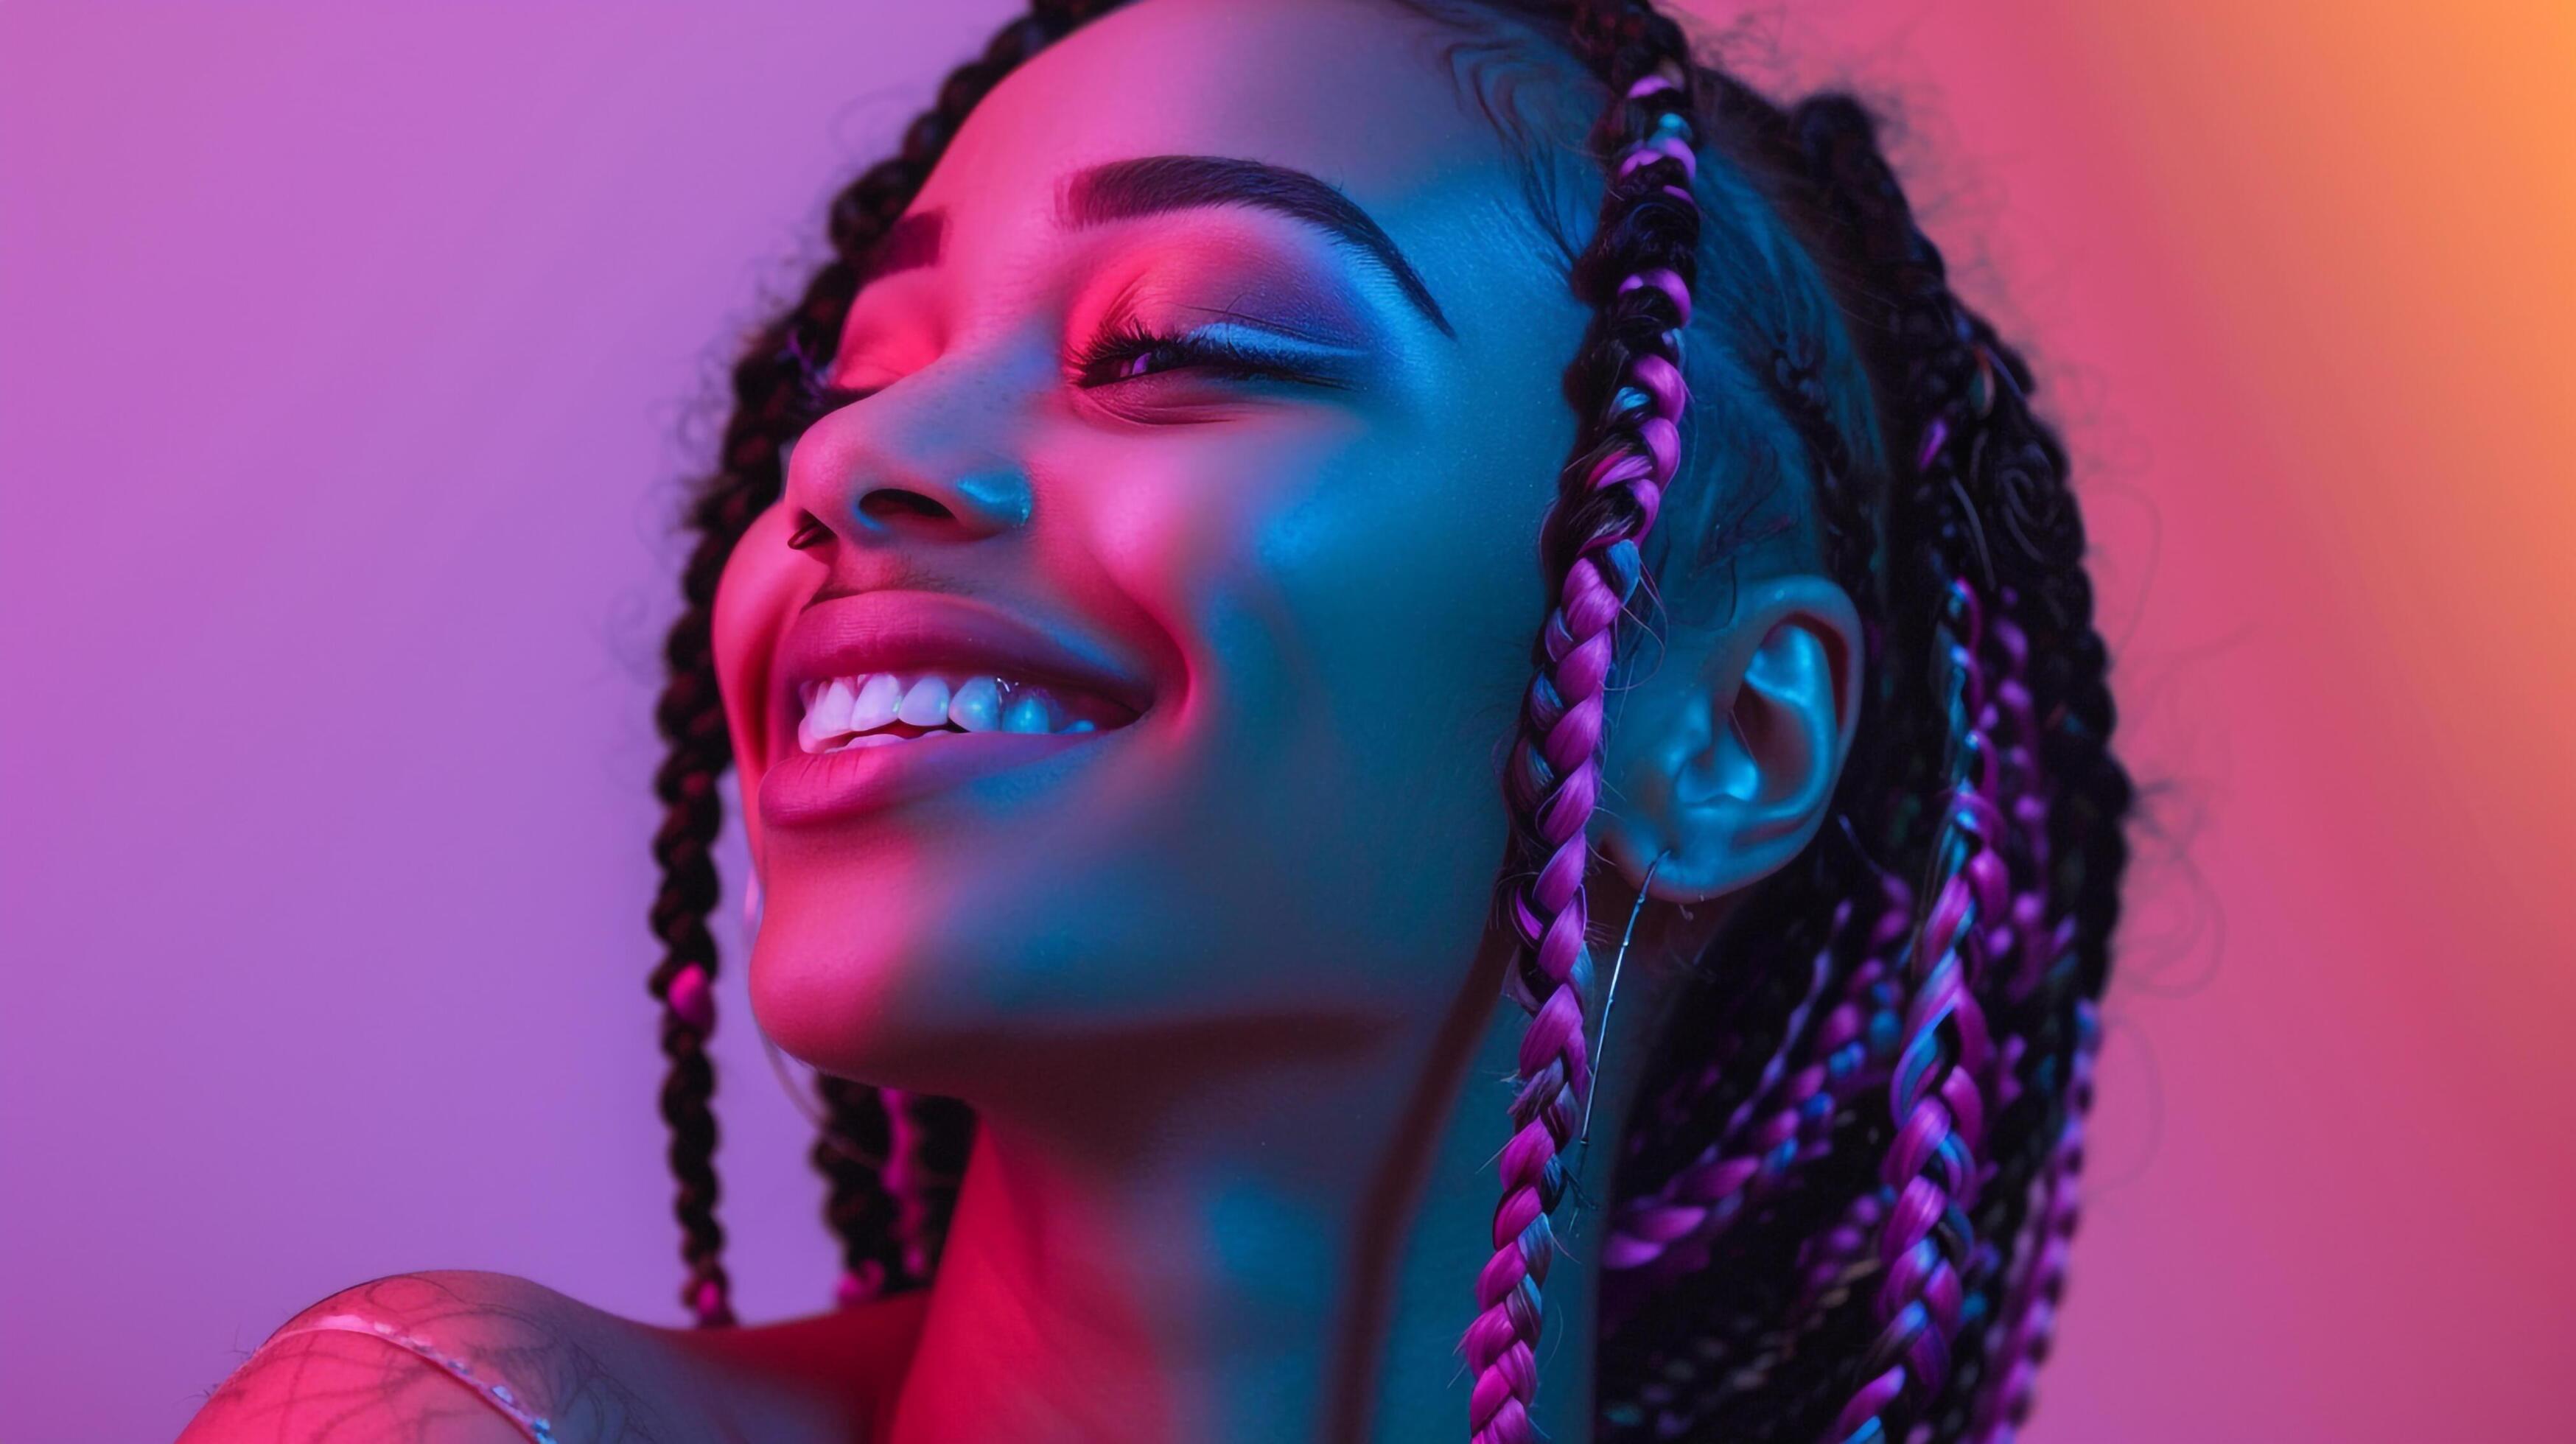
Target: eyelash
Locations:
point(1102, 362)
point(1098, 364)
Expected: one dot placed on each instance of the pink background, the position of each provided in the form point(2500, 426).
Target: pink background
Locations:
point(348, 361)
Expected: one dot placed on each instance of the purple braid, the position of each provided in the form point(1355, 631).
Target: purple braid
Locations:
point(1667, 1233)
point(1608, 494)
point(2028, 1322)
point(1926, 1240)
point(1697, 1202)
point(1828, 1262)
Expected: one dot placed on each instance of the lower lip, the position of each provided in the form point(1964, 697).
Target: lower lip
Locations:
point(809, 788)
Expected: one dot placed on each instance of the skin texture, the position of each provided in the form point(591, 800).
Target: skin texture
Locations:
point(1219, 983)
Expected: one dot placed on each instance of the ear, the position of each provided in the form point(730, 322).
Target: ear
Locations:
point(1723, 758)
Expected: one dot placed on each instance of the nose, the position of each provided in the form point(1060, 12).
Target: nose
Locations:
point(911, 464)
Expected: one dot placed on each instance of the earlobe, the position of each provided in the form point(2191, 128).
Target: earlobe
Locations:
point(1728, 767)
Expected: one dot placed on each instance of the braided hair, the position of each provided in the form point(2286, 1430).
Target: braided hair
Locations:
point(1845, 1196)
point(1883, 1231)
point(1626, 384)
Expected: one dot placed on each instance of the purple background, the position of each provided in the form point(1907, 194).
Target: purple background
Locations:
point(350, 357)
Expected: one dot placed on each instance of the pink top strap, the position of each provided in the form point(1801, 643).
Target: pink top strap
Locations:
point(491, 1391)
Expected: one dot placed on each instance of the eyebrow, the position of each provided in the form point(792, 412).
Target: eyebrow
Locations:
point(912, 242)
point(1152, 185)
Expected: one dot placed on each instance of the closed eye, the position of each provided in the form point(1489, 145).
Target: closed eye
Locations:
point(1124, 353)
point(1129, 352)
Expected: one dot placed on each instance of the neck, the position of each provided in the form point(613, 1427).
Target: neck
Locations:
point(1262, 1238)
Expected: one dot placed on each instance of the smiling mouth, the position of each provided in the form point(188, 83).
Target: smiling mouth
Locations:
point(882, 709)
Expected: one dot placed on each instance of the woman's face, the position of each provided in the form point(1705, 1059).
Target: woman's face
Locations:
point(1204, 493)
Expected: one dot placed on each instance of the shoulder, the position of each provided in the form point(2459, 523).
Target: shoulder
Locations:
point(422, 1357)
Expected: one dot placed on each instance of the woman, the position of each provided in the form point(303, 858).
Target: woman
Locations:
point(1116, 596)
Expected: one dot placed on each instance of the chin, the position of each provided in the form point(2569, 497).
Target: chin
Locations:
point(886, 973)
point(897, 943)
point(920, 973)
point(844, 999)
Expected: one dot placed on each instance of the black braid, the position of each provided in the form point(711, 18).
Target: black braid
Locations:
point(690, 717)
point(853, 1154)
point(942, 1134)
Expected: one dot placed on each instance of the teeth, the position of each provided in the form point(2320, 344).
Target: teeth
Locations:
point(847, 712)
point(878, 700)
point(977, 707)
point(926, 705)
point(1029, 713)
point(831, 713)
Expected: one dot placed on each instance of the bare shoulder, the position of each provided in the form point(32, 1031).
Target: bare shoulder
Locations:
point(330, 1376)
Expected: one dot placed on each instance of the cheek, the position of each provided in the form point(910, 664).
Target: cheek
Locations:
point(762, 584)
point(1356, 603)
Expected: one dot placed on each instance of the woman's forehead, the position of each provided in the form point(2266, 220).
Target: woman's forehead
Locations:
point(1356, 93)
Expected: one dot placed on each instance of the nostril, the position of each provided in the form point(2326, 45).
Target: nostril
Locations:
point(892, 503)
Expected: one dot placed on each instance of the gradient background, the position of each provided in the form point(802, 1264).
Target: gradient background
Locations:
point(349, 359)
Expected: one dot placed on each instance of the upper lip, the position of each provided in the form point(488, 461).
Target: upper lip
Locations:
point(888, 631)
